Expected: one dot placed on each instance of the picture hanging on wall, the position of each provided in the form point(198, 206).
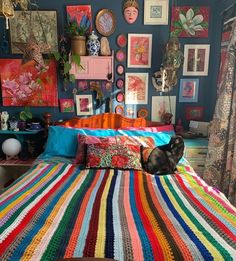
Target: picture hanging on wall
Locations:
point(84, 104)
point(23, 85)
point(188, 91)
point(105, 22)
point(156, 12)
point(82, 14)
point(43, 25)
point(66, 105)
point(136, 88)
point(196, 59)
point(190, 21)
point(131, 111)
point(161, 105)
point(139, 50)
point(194, 113)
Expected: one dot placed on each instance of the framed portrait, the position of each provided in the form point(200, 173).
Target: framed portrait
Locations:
point(84, 104)
point(161, 105)
point(196, 59)
point(139, 50)
point(66, 105)
point(42, 23)
point(136, 88)
point(105, 22)
point(188, 91)
point(156, 12)
point(194, 113)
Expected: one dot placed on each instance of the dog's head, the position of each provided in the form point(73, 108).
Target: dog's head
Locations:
point(177, 147)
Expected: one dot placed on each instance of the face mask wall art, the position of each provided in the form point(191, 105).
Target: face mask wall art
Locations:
point(130, 11)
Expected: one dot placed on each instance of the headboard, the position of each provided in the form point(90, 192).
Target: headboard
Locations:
point(105, 121)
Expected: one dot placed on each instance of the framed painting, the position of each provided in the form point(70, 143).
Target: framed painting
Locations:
point(196, 59)
point(188, 91)
point(42, 23)
point(105, 22)
point(136, 88)
point(84, 104)
point(156, 12)
point(190, 21)
point(161, 105)
point(194, 113)
point(82, 14)
point(66, 105)
point(23, 85)
point(139, 50)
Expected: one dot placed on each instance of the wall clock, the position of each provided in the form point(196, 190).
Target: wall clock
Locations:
point(105, 22)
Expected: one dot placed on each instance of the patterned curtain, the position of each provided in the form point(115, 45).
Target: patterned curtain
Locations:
point(220, 169)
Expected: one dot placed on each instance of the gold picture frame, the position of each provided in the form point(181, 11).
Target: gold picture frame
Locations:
point(105, 22)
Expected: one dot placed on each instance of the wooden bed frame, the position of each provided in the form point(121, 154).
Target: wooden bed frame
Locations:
point(107, 121)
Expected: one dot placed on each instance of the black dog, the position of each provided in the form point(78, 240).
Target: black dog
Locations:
point(163, 159)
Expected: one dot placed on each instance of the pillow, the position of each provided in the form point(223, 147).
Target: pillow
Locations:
point(162, 128)
point(123, 140)
point(104, 155)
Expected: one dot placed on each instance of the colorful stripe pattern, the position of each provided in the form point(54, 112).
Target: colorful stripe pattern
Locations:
point(57, 210)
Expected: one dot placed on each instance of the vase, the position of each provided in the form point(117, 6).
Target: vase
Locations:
point(93, 45)
point(78, 45)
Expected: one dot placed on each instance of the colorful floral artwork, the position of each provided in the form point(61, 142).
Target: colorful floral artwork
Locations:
point(24, 85)
point(84, 104)
point(82, 14)
point(66, 105)
point(190, 21)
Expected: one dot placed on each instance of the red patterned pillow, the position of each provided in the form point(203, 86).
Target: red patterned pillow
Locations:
point(123, 140)
point(116, 156)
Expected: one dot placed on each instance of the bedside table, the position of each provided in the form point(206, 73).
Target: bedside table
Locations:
point(195, 152)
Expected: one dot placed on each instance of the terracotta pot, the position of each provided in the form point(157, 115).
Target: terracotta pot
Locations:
point(78, 45)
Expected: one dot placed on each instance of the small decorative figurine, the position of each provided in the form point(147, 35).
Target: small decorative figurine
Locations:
point(105, 47)
point(93, 44)
point(4, 119)
point(130, 10)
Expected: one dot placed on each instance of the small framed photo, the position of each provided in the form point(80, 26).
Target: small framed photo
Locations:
point(136, 88)
point(194, 113)
point(66, 105)
point(84, 104)
point(139, 50)
point(196, 59)
point(156, 12)
point(188, 90)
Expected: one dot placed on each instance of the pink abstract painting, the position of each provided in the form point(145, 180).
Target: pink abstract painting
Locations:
point(25, 85)
point(188, 21)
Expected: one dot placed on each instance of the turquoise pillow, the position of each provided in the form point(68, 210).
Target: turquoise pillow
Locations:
point(63, 141)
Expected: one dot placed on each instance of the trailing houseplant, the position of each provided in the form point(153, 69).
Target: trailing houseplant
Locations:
point(24, 116)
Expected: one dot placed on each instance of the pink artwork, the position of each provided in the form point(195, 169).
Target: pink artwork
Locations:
point(139, 50)
point(136, 88)
point(66, 105)
point(82, 14)
point(188, 21)
point(25, 85)
point(84, 104)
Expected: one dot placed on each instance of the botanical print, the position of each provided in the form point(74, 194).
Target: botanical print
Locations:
point(43, 26)
point(190, 21)
point(66, 105)
point(162, 105)
point(139, 50)
point(82, 14)
point(136, 88)
point(24, 85)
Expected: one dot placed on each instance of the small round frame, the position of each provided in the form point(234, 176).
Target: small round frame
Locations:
point(120, 97)
point(121, 40)
point(120, 55)
point(105, 22)
point(120, 83)
point(119, 109)
point(142, 113)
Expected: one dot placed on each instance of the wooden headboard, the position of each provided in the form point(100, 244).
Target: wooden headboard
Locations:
point(105, 121)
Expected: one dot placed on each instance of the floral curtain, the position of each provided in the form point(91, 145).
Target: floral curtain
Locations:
point(220, 170)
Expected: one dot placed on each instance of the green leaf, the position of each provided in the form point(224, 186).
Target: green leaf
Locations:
point(196, 10)
point(177, 24)
point(72, 78)
point(67, 68)
point(204, 24)
point(57, 55)
point(76, 59)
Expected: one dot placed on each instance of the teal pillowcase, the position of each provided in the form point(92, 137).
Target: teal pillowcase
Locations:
point(63, 141)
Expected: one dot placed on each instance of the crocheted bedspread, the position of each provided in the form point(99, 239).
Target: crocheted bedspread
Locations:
point(57, 210)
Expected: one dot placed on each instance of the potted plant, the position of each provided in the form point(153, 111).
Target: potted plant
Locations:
point(24, 115)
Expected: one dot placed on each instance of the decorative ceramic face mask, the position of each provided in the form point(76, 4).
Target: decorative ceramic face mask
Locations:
point(131, 14)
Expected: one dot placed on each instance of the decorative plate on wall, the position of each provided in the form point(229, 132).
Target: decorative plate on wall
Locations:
point(105, 22)
point(119, 109)
point(120, 55)
point(120, 83)
point(121, 40)
point(120, 69)
point(120, 96)
point(142, 113)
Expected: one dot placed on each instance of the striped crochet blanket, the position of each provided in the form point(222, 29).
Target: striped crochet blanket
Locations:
point(57, 210)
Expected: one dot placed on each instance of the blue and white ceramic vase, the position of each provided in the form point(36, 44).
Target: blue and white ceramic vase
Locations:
point(93, 44)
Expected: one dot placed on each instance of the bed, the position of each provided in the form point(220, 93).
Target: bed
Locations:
point(61, 208)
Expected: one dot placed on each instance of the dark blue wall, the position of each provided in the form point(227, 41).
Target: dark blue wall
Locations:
point(207, 86)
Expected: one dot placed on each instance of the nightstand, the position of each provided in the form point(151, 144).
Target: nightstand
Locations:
point(195, 152)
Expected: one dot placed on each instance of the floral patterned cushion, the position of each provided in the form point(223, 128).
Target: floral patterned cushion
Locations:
point(104, 155)
point(123, 140)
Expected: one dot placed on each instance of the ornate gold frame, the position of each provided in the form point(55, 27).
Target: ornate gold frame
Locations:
point(102, 20)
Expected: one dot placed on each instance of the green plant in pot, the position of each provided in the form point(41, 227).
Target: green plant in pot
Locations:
point(25, 116)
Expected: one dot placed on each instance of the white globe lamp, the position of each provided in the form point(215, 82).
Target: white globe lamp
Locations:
point(11, 148)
